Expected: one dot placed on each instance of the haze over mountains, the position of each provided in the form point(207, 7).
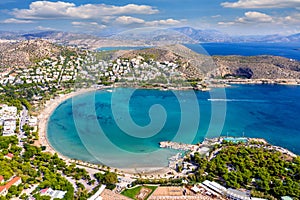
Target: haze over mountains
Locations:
point(145, 36)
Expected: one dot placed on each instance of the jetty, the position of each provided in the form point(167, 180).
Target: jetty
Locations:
point(178, 146)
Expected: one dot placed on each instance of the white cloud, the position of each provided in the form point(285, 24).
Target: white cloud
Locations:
point(226, 23)
point(262, 4)
point(16, 21)
point(126, 20)
point(292, 19)
point(64, 10)
point(257, 18)
point(44, 10)
point(250, 18)
point(166, 22)
point(88, 25)
point(129, 20)
point(42, 28)
point(254, 17)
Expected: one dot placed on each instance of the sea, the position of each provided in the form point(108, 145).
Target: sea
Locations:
point(288, 50)
point(122, 127)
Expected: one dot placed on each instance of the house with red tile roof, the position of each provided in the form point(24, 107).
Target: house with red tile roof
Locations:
point(9, 156)
point(14, 181)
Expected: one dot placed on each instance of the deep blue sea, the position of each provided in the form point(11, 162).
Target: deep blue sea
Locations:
point(288, 50)
point(122, 128)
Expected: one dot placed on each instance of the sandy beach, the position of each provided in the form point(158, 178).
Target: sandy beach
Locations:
point(44, 115)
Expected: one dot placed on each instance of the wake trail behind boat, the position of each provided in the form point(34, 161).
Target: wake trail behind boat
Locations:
point(240, 100)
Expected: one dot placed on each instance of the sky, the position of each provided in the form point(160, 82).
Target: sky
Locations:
point(235, 17)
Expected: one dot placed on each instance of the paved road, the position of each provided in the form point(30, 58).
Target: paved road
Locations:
point(23, 119)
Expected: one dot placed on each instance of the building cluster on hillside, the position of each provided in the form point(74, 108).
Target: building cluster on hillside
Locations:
point(136, 69)
point(54, 71)
point(51, 70)
point(8, 117)
point(48, 73)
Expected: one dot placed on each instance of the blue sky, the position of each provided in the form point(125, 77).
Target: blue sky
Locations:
point(236, 17)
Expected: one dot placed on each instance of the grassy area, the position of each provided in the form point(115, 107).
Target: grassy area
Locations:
point(131, 193)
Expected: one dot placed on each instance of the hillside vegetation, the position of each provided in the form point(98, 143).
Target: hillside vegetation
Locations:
point(27, 53)
point(197, 66)
point(193, 65)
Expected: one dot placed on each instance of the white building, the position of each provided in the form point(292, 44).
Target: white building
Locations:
point(32, 121)
point(54, 194)
point(9, 127)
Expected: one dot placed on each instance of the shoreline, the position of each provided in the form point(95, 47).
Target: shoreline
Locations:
point(289, 82)
point(43, 117)
point(48, 108)
point(46, 112)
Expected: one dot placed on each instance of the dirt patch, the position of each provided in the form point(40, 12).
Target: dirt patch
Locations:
point(143, 194)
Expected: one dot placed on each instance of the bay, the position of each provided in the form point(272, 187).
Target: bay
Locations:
point(97, 126)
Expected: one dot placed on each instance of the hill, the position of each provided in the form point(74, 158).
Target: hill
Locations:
point(256, 67)
point(26, 53)
point(198, 66)
point(204, 35)
point(192, 64)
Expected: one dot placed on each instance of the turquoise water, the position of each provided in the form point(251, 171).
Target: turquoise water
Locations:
point(109, 128)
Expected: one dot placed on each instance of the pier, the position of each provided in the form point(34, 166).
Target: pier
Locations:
point(178, 146)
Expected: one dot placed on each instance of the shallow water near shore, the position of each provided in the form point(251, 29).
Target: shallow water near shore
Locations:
point(87, 128)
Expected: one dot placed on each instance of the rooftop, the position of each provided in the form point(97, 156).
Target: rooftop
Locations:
point(13, 181)
point(237, 193)
point(286, 198)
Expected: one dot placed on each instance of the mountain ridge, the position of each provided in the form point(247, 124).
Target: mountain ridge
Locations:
point(146, 37)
